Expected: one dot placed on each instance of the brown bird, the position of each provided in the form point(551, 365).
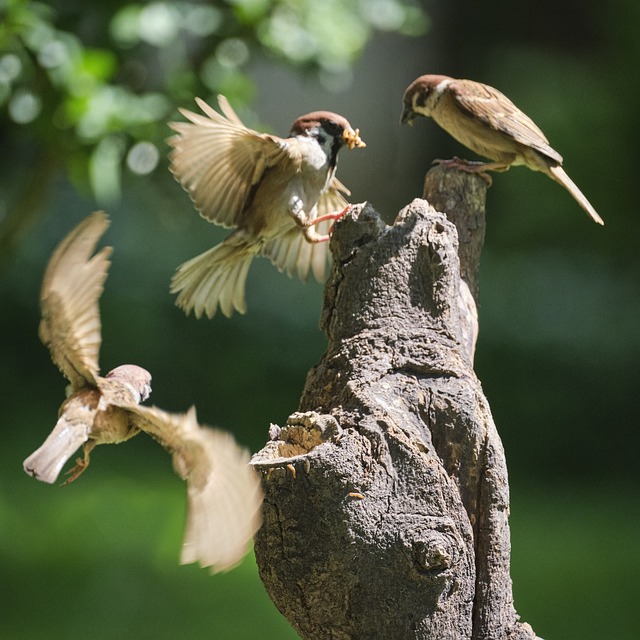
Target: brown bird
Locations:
point(487, 122)
point(70, 327)
point(281, 195)
point(223, 492)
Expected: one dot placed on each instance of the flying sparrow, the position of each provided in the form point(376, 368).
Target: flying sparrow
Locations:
point(70, 327)
point(280, 194)
point(223, 492)
point(487, 122)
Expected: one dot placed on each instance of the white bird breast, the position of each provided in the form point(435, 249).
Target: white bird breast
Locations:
point(305, 189)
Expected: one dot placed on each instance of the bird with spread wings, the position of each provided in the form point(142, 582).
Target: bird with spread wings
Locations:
point(224, 495)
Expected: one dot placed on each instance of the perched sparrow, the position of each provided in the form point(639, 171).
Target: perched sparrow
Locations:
point(487, 122)
point(274, 191)
point(223, 491)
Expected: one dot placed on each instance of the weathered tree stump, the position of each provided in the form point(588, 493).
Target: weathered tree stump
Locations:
point(386, 494)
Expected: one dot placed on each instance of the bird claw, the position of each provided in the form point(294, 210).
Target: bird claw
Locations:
point(81, 464)
point(75, 472)
point(336, 215)
point(313, 236)
point(474, 167)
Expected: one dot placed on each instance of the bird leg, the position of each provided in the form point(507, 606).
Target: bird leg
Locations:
point(311, 235)
point(472, 166)
point(331, 216)
point(81, 463)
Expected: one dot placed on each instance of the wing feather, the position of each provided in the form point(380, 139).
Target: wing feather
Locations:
point(481, 104)
point(73, 282)
point(224, 495)
point(218, 160)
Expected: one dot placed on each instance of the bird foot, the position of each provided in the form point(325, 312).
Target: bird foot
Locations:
point(75, 472)
point(336, 215)
point(472, 166)
point(81, 464)
point(313, 236)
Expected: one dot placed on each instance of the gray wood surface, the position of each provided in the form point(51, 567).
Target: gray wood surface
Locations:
point(387, 498)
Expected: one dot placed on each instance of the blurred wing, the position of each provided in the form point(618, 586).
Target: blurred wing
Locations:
point(224, 493)
point(293, 254)
point(481, 101)
point(71, 288)
point(332, 200)
point(218, 160)
point(338, 186)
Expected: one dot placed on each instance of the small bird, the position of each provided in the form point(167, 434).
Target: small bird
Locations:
point(223, 491)
point(280, 194)
point(70, 327)
point(487, 122)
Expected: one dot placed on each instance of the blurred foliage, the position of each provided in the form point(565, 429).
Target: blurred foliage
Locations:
point(96, 100)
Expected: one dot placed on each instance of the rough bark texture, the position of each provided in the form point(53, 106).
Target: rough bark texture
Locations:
point(387, 499)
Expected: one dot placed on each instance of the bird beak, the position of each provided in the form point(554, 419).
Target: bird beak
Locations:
point(407, 116)
point(352, 138)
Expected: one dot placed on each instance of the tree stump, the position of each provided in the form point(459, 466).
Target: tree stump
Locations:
point(386, 494)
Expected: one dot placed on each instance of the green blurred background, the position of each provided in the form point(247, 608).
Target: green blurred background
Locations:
point(85, 95)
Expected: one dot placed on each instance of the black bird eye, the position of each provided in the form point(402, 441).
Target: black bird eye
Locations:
point(332, 128)
point(422, 98)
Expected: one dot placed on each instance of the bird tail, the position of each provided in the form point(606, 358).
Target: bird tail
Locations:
point(215, 277)
point(46, 462)
point(560, 176)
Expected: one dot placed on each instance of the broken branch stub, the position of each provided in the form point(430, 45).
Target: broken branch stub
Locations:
point(386, 495)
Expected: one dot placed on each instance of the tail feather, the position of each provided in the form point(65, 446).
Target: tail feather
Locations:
point(215, 278)
point(560, 176)
point(295, 255)
point(46, 462)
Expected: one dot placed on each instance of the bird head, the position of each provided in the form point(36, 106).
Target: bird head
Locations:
point(136, 377)
point(422, 95)
point(327, 127)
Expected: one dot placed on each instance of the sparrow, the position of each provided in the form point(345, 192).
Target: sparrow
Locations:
point(487, 122)
point(223, 492)
point(280, 194)
point(70, 327)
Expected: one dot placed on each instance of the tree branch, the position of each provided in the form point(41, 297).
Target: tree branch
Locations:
point(386, 502)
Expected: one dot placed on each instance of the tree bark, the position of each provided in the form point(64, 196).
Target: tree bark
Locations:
point(386, 494)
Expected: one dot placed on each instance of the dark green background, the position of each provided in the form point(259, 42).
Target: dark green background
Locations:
point(558, 354)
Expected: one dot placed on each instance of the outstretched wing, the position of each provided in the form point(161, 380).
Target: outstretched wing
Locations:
point(218, 160)
point(71, 288)
point(224, 493)
point(293, 254)
point(480, 100)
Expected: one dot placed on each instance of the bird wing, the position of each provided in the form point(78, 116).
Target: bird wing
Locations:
point(480, 103)
point(224, 495)
point(71, 288)
point(293, 254)
point(219, 161)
